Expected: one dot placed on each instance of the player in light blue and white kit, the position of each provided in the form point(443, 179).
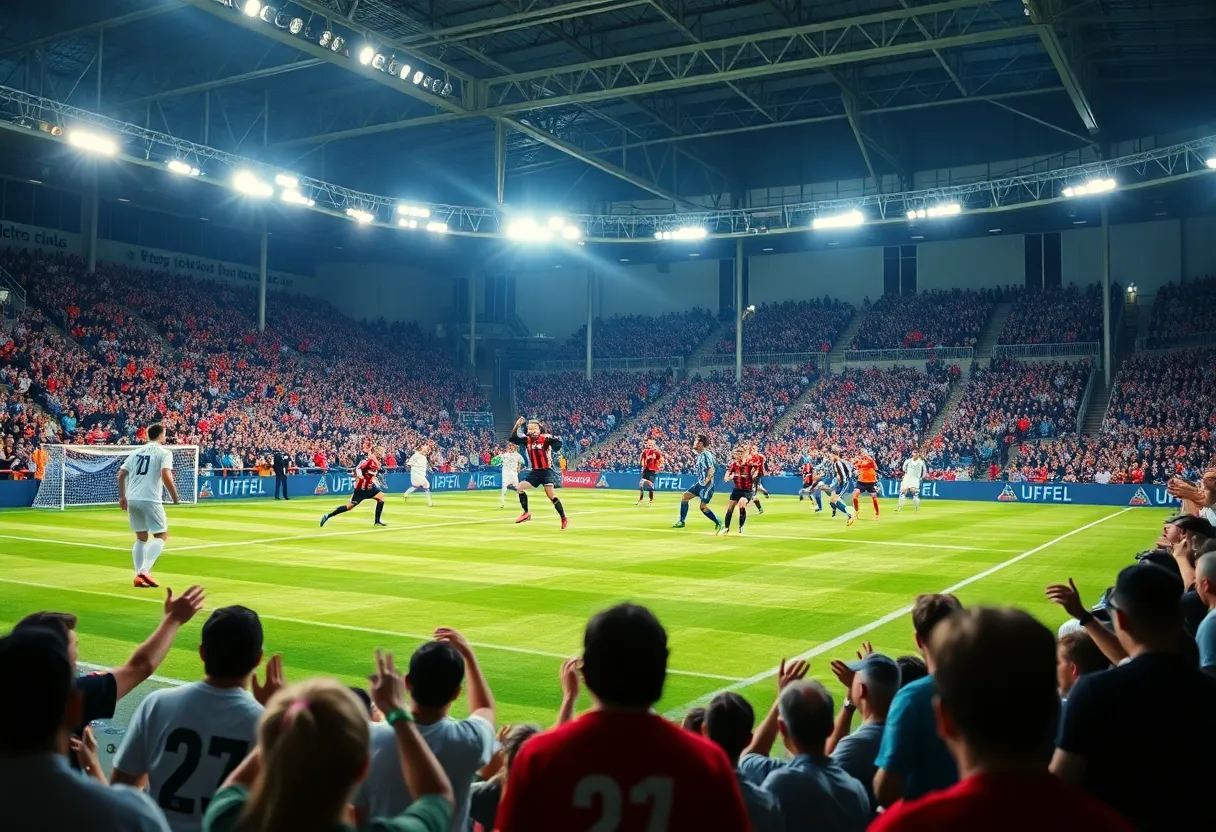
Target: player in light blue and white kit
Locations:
point(915, 470)
point(843, 475)
point(703, 489)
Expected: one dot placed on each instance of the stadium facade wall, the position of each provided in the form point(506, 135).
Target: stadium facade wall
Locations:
point(211, 488)
point(51, 241)
point(848, 274)
point(391, 291)
point(977, 263)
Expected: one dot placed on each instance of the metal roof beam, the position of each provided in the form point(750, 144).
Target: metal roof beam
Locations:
point(1074, 71)
point(252, 75)
point(89, 28)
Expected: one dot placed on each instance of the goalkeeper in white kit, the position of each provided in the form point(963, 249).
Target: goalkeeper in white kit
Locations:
point(140, 482)
point(511, 463)
point(915, 470)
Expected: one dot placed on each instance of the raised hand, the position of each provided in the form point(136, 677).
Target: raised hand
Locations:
point(1067, 597)
point(184, 607)
point(454, 638)
point(841, 671)
point(387, 685)
point(569, 678)
point(795, 671)
point(262, 692)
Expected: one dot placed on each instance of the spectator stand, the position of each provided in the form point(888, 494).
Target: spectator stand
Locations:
point(1183, 315)
point(629, 336)
point(807, 326)
point(940, 318)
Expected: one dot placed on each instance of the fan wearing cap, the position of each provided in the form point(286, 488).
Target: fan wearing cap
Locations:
point(1116, 739)
point(870, 683)
point(37, 788)
point(183, 741)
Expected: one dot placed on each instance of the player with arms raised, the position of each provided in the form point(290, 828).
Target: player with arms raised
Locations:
point(141, 479)
point(742, 476)
point(539, 448)
point(652, 461)
point(511, 463)
point(419, 464)
point(703, 489)
point(867, 482)
point(915, 470)
point(758, 462)
point(367, 487)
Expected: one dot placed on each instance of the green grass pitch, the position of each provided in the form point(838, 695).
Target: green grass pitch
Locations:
point(798, 583)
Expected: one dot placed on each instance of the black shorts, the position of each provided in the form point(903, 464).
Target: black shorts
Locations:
point(362, 494)
point(649, 475)
point(737, 494)
point(539, 477)
point(867, 487)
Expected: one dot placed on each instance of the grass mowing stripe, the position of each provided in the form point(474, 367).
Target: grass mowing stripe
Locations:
point(842, 538)
point(856, 633)
point(352, 628)
point(65, 542)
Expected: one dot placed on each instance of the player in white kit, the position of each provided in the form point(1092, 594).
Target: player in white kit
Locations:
point(914, 472)
point(419, 464)
point(511, 463)
point(183, 742)
point(141, 481)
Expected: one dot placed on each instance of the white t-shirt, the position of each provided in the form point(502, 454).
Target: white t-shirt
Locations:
point(143, 469)
point(1209, 514)
point(914, 470)
point(417, 464)
point(511, 463)
point(188, 740)
point(462, 747)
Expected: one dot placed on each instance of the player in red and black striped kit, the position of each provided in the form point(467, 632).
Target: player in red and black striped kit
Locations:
point(652, 461)
point(758, 461)
point(538, 447)
point(742, 474)
point(367, 487)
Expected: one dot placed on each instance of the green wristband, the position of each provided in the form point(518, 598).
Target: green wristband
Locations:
point(397, 715)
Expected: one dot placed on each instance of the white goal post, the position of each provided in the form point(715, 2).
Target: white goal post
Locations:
point(87, 475)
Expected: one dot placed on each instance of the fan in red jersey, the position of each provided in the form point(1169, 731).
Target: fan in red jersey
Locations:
point(652, 461)
point(622, 766)
point(367, 487)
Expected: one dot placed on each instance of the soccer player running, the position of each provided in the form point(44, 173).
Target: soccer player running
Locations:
point(741, 473)
point(511, 463)
point(419, 464)
point(538, 447)
point(704, 487)
point(915, 470)
point(367, 487)
point(842, 472)
point(867, 482)
point(810, 483)
point(652, 461)
point(142, 479)
point(758, 461)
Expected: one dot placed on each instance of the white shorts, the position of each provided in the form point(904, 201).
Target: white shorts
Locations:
point(419, 482)
point(147, 516)
point(909, 485)
point(510, 479)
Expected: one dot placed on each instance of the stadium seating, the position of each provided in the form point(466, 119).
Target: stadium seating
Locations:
point(583, 412)
point(1067, 315)
point(793, 326)
point(928, 319)
point(639, 336)
point(1184, 309)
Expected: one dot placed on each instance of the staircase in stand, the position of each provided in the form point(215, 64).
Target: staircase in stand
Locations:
point(988, 338)
point(1099, 400)
point(845, 340)
point(709, 345)
point(791, 413)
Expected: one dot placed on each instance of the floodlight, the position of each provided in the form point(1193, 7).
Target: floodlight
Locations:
point(404, 74)
point(1093, 186)
point(282, 20)
point(413, 210)
point(946, 210)
point(294, 197)
point(297, 26)
point(360, 216)
point(393, 66)
point(849, 219)
point(418, 77)
point(379, 61)
point(527, 230)
point(339, 44)
point(1211, 163)
point(437, 227)
point(685, 233)
point(447, 89)
point(556, 223)
point(426, 82)
point(182, 168)
point(366, 54)
point(250, 185)
point(571, 232)
point(252, 8)
point(327, 37)
point(286, 180)
point(407, 223)
point(93, 142)
point(267, 14)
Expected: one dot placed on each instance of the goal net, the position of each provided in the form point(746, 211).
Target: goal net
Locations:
point(87, 475)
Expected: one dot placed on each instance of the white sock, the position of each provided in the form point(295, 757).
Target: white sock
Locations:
point(428, 497)
point(502, 498)
point(152, 551)
point(137, 557)
point(916, 502)
point(901, 502)
point(410, 491)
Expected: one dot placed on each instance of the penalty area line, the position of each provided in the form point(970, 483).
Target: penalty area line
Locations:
point(854, 634)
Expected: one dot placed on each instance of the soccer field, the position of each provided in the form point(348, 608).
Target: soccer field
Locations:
point(799, 583)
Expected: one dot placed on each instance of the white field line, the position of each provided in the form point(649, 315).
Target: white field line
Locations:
point(844, 538)
point(348, 627)
point(858, 632)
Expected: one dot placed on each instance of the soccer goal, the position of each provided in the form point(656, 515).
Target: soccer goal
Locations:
point(87, 475)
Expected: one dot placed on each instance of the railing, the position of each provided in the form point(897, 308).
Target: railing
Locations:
point(752, 359)
point(922, 354)
point(672, 362)
point(16, 290)
point(475, 419)
point(1198, 339)
point(1078, 349)
point(1084, 405)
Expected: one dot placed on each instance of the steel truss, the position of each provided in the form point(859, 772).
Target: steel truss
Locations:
point(154, 149)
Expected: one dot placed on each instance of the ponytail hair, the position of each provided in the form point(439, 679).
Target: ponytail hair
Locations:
point(314, 742)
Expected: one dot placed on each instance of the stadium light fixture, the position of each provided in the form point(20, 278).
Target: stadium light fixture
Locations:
point(686, 233)
point(572, 233)
point(267, 15)
point(366, 54)
point(360, 216)
point(934, 211)
point(248, 184)
point(419, 211)
point(182, 168)
point(404, 74)
point(338, 45)
point(527, 230)
point(252, 8)
point(286, 180)
point(93, 142)
point(407, 223)
point(849, 219)
point(1092, 187)
point(437, 227)
point(418, 76)
point(379, 61)
point(294, 197)
point(327, 37)
point(296, 26)
point(1211, 163)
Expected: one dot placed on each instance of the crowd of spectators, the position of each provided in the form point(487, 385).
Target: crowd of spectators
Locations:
point(730, 414)
point(1059, 316)
point(152, 346)
point(1183, 310)
point(1007, 403)
point(581, 411)
point(939, 318)
point(886, 412)
point(641, 336)
point(792, 326)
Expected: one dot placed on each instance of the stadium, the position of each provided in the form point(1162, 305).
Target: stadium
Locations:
point(629, 365)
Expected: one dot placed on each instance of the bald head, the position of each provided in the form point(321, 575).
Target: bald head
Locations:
point(806, 709)
point(1205, 567)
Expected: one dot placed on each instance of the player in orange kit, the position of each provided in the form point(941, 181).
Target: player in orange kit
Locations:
point(867, 481)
